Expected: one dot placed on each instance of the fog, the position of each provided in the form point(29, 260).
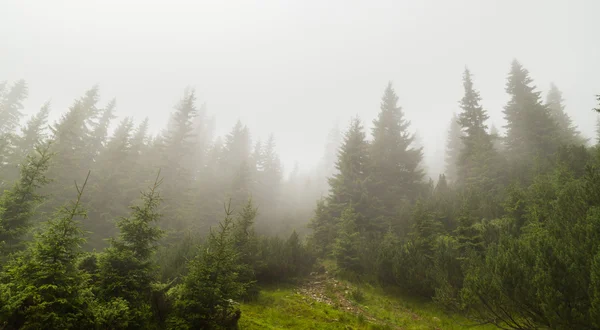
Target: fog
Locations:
point(298, 68)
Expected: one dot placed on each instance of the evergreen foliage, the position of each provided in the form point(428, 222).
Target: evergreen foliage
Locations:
point(205, 299)
point(42, 288)
point(17, 204)
point(396, 176)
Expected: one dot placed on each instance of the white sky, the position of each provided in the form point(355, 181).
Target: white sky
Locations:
point(296, 67)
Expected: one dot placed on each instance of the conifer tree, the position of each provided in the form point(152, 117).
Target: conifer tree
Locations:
point(268, 181)
point(454, 148)
point(205, 298)
point(11, 106)
point(34, 132)
point(17, 204)
point(555, 103)
point(531, 133)
point(246, 243)
point(327, 163)
point(126, 268)
point(236, 164)
point(395, 164)
point(346, 249)
point(99, 131)
point(71, 141)
point(349, 185)
point(323, 229)
point(496, 138)
point(42, 288)
point(477, 158)
point(176, 153)
point(425, 230)
point(114, 188)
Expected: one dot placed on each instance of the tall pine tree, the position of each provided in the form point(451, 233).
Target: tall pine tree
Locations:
point(555, 103)
point(395, 163)
point(350, 183)
point(531, 132)
point(477, 158)
point(454, 147)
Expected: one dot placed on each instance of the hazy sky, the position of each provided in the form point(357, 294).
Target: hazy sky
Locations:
point(296, 67)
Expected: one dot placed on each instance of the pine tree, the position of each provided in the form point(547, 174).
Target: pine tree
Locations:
point(531, 132)
point(469, 236)
point(327, 163)
point(454, 148)
point(176, 151)
point(11, 106)
point(496, 138)
point(323, 229)
point(349, 185)
point(42, 288)
point(395, 164)
point(71, 141)
point(126, 268)
point(17, 204)
point(477, 159)
point(34, 133)
point(99, 131)
point(205, 298)
point(267, 179)
point(425, 230)
point(555, 104)
point(236, 164)
point(115, 188)
point(346, 248)
point(246, 244)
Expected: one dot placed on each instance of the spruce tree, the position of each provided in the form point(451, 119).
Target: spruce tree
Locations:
point(205, 299)
point(114, 188)
point(42, 288)
point(176, 150)
point(18, 203)
point(454, 148)
point(99, 131)
point(531, 132)
point(323, 229)
point(395, 163)
point(327, 163)
point(126, 269)
point(34, 132)
point(477, 159)
point(267, 182)
point(11, 106)
point(349, 185)
point(555, 103)
point(246, 244)
point(236, 164)
point(346, 248)
point(71, 141)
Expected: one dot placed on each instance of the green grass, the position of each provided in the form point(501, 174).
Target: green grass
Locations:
point(283, 308)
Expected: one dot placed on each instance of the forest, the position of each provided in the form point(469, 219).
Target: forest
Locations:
point(104, 225)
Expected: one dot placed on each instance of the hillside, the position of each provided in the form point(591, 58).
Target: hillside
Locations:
point(325, 302)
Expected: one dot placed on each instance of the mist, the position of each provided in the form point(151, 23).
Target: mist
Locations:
point(299, 164)
point(296, 69)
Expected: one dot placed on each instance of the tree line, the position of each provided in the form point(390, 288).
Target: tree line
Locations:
point(507, 236)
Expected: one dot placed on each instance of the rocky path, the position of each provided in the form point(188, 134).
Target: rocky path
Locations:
point(326, 289)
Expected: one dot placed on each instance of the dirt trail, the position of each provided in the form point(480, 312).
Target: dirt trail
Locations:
point(325, 289)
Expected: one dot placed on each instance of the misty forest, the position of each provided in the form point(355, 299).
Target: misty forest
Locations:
point(117, 228)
